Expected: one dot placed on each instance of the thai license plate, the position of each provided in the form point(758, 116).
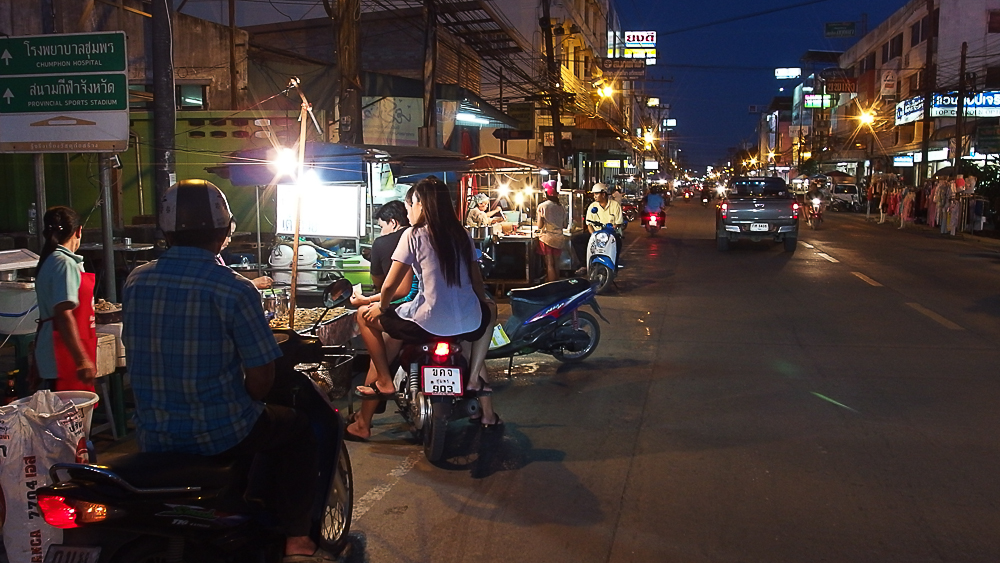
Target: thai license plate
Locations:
point(442, 380)
point(72, 554)
point(758, 227)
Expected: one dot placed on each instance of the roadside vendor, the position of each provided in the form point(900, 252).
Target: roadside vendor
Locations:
point(478, 215)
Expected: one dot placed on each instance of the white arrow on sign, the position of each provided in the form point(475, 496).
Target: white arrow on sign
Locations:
point(8, 95)
point(6, 57)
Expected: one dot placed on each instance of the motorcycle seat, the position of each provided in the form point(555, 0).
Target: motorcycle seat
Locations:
point(167, 469)
point(547, 293)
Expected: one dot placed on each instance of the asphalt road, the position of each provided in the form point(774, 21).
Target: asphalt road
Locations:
point(839, 403)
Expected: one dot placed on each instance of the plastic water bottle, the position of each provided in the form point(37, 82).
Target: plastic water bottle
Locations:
point(32, 219)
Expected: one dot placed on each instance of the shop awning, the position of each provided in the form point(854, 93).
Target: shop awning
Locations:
point(335, 162)
point(506, 163)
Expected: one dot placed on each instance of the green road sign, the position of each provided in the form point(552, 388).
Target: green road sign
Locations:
point(69, 53)
point(37, 94)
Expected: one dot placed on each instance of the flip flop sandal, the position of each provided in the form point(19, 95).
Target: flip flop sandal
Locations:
point(496, 425)
point(375, 395)
point(318, 556)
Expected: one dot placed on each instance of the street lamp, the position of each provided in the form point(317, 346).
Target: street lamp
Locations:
point(867, 119)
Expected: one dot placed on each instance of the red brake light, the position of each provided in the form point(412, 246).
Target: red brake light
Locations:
point(795, 210)
point(724, 208)
point(442, 350)
point(57, 512)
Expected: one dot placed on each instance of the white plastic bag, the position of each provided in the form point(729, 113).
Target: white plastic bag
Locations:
point(34, 436)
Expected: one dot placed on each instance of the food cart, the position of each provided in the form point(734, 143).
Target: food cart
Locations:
point(515, 185)
point(334, 201)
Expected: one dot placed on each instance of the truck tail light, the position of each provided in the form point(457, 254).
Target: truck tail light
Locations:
point(795, 211)
point(724, 209)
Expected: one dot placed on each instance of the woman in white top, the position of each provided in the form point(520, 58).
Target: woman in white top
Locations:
point(551, 222)
point(451, 300)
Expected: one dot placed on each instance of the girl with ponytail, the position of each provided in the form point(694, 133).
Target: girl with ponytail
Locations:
point(66, 344)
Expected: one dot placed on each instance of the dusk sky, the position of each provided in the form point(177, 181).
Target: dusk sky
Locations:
point(719, 54)
point(719, 70)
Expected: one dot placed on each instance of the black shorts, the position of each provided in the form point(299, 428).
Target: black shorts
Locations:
point(411, 332)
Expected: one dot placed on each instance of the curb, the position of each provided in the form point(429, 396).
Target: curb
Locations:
point(925, 230)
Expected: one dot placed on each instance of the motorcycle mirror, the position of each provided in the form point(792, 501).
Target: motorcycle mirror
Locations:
point(336, 293)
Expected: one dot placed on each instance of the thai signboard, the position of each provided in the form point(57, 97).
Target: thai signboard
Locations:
point(64, 93)
point(982, 104)
point(640, 45)
point(839, 29)
point(841, 85)
point(625, 69)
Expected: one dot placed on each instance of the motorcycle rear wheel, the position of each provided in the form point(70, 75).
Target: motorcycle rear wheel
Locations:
point(601, 276)
point(436, 430)
point(585, 323)
point(338, 509)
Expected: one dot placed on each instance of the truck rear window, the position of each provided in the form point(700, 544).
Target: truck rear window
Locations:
point(759, 187)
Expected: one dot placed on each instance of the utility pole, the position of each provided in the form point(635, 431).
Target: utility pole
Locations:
point(428, 133)
point(164, 101)
point(233, 78)
point(960, 112)
point(351, 130)
point(929, 82)
point(553, 83)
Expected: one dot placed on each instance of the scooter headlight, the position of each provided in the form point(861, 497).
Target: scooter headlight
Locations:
point(816, 201)
point(601, 240)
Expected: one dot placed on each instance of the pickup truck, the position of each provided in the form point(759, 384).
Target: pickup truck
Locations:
point(757, 209)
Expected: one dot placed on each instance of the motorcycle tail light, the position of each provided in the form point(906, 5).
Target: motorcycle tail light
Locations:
point(60, 512)
point(441, 351)
point(724, 208)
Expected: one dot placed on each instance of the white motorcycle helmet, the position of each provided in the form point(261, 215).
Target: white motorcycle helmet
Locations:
point(194, 205)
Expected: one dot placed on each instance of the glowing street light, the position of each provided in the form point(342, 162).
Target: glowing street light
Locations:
point(867, 118)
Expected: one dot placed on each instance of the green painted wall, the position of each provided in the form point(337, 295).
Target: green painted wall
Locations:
point(202, 140)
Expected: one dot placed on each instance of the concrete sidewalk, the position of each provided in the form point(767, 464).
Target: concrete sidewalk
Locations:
point(893, 223)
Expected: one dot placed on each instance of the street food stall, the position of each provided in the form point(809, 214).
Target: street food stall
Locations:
point(330, 204)
point(514, 185)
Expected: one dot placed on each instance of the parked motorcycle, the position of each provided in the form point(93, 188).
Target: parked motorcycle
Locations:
point(602, 256)
point(653, 222)
point(630, 211)
point(152, 507)
point(814, 214)
point(546, 318)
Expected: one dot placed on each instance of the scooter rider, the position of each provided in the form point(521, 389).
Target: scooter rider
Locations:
point(654, 202)
point(201, 358)
point(603, 211)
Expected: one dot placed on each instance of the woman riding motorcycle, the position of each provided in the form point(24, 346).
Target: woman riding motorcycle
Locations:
point(439, 250)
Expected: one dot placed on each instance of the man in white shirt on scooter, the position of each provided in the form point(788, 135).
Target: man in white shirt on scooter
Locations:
point(603, 210)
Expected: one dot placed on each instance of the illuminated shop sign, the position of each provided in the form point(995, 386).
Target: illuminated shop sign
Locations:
point(983, 104)
point(904, 160)
point(786, 73)
point(612, 164)
point(640, 39)
point(818, 101)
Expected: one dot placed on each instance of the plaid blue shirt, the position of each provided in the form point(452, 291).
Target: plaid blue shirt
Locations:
point(189, 327)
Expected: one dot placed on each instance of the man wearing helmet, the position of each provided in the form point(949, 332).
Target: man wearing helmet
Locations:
point(478, 216)
point(603, 211)
point(201, 358)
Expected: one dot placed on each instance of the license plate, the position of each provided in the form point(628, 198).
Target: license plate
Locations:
point(652, 220)
point(758, 226)
point(442, 380)
point(72, 554)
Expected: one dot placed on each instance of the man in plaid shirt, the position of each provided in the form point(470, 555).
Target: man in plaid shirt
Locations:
point(201, 358)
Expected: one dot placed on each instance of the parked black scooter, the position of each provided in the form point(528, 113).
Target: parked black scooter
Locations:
point(153, 507)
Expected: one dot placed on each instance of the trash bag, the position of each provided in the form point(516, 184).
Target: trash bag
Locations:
point(34, 435)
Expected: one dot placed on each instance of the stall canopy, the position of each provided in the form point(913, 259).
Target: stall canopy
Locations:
point(340, 163)
point(506, 163)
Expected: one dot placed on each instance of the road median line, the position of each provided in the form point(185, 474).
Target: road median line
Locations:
point(931, 314)
point(867, 280)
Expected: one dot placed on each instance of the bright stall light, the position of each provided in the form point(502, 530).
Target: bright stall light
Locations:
point(503, 189)
point(285, 163)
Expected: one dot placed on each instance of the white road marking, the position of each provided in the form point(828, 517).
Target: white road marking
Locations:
point(867, 280)
point(366, 502)
point(827, 257)
point(931, 314)
point(807, 245)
